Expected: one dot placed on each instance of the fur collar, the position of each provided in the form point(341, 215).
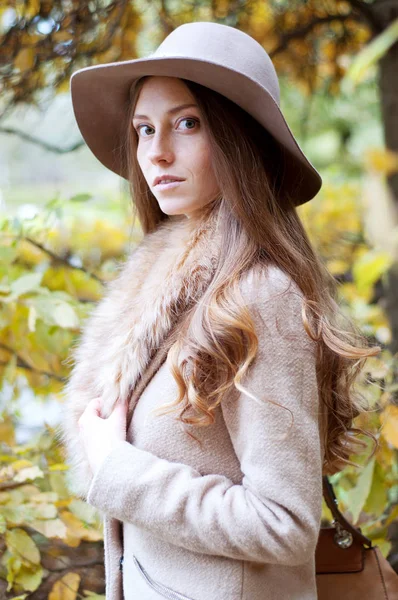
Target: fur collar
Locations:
point(166, 274)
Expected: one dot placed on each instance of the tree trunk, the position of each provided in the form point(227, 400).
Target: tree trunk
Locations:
point(385, 13)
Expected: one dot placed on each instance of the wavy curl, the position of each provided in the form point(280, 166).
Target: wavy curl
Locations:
point(259, 225)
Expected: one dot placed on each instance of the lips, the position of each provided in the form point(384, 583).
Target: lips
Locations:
point(167, 179)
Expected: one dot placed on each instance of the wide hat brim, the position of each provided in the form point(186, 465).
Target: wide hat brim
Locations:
point(101, 97)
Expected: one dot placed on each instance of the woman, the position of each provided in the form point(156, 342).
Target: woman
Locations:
point(210, 483)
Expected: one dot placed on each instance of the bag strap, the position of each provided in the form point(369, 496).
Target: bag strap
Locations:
point(332, 504)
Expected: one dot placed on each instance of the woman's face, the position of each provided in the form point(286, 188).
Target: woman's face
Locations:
point(172, 141)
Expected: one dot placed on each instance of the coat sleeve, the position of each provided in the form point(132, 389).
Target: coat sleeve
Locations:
point(273, 515)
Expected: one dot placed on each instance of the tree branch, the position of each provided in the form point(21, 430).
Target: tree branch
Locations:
point(301, 32)
point(367, 11)
point(45, 145)
point(22, 364)
point(57, 258)
point(10, 485)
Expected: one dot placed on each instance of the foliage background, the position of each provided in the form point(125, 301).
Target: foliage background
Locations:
point(65, 225)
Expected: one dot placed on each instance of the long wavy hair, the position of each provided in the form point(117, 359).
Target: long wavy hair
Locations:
point(259, 226)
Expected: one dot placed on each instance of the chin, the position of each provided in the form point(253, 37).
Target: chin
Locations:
point(177, 209)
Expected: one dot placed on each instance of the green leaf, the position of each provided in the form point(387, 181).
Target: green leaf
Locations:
point(384, 545)
point(54, 311)
point(369, 268)
point(357, 496)
point(44, 511)
point(377, 500)
point(3, 524)
point(85, 512)
point(21, 545)
point(32, 318)
point(65, 316)
point(14, 564)
point(80, 198)
point(29, 579)
point(371, 53)
point(30, 473)
point(58, 485)
point(8, 254)
point(26, 283)
point(50, 528)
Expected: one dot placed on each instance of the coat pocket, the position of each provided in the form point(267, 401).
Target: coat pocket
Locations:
point(158, 587)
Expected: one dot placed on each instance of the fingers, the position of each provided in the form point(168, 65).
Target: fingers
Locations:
point(93, 408)
point(95, 405)
point(119, 410)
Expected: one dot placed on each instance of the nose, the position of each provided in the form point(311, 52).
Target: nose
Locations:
point(161, 149)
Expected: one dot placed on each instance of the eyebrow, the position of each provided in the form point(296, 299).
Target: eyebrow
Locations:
point(169, 112)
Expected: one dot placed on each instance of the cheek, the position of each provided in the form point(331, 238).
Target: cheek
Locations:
point(142, 162)
point(201, 158)
point(140, 157)
point(205, 169)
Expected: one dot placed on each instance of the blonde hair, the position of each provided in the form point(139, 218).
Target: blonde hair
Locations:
point(259, 225)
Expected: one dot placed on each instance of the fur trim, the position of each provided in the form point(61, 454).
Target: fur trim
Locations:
point(164, 275)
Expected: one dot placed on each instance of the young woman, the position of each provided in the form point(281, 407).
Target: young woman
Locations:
point(208, 472)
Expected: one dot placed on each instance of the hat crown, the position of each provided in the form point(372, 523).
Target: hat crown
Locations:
point(223, 45)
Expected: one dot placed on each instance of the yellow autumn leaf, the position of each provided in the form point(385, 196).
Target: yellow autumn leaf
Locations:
point(337, 266)
point(393, 516)
point(29, 579)
point(29, 253)
point(21, 464)
point(382, 160)
point(77, 529)
point(4, 497)
point(7, 433)
point(389, 421)
point(31, 8)
point(58, 485)
point(44, 497)
point(383, 544)
point(63, 86)
point(20, 544)
point(50, 528)
point(369, 268)
point(42, 510)
point(25, 59)
point(30, 473)
point(61, 36)
point(58, 467)
point(65, 588)
point(83, 511)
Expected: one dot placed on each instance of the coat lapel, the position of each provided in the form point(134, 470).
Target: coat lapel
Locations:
point(128, 334)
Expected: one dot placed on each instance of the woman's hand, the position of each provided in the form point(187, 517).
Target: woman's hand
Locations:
point(99, 435)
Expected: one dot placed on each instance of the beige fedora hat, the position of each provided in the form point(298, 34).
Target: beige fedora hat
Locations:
point(217, 56)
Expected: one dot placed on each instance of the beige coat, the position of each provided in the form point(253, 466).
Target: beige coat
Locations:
point(235, 514)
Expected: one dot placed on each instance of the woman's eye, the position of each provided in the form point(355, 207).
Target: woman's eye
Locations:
point(190, 120)
point(143, 127)
point(190, 125)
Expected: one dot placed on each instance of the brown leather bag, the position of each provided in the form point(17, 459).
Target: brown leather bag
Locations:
point(348, 565)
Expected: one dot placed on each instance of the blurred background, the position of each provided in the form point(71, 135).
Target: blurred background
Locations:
point(66, 223)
